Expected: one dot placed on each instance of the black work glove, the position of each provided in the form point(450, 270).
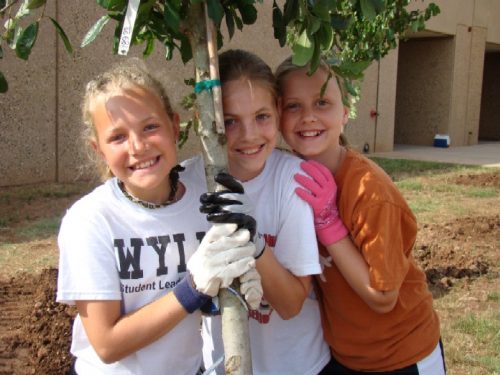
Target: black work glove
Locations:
point(232, 205)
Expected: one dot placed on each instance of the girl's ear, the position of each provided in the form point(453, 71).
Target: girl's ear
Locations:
point(345, 117)
point(95, 146)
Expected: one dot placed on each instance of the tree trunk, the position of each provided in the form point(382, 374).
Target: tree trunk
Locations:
point(235, 333)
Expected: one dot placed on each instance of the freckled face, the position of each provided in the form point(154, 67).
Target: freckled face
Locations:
point(136, 138)
point(251, 121)
point(310, 123)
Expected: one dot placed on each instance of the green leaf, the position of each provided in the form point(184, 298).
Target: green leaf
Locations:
point(1, 52)
point(169, 51)
point(303, 49)
point(340, 22)
point(322, 9)
point(279, 25)
point(229, 23)
point(22, 12)
point(26, 41)
point(291, 11)
point(33, 4)
point(238, 21)
point(215, 11)
point(379, 5)
point(354, 70)
point(368, 9)
point(112, 4)
point(95, 30)
point(325, 36)
point(316, 57)
point(4, 86)
point(248, 14)
point(150, 46)
point(313, 26)
point(414, 26)
point(172, 17)
point(62, 34)
point(185, 49)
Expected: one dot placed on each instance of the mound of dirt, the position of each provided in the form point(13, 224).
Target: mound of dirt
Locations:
point(484, 179)
point(36, 336)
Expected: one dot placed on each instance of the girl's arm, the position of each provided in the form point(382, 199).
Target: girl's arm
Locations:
point(223, 255)
point(354, 269)
point(321, 193)
point(284, 291)
point(114, 336)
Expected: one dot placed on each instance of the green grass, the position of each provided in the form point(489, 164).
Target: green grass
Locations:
point(494, 296)
point(484, 331)
point(482, 192)
point(32, 192)
point(41, 228)
point(429, 188)
point(410, 184)
point(401, 168)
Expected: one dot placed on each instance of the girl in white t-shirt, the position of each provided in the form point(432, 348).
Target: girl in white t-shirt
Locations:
point(130, 253)
point(285, 330)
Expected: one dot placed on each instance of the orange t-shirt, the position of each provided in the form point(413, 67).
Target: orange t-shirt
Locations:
point(383, 227)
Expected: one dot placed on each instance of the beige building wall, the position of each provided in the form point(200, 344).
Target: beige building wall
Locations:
point(27, 113)
point(423, 90)
point(431, 84)
point(474, 29)
point(40, 115)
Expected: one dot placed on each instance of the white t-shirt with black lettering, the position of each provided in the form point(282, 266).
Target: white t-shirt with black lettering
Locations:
point(280, 347)
point(114, 249)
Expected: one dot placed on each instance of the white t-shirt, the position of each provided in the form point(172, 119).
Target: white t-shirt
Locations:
point(114, 249)
point(280, 347)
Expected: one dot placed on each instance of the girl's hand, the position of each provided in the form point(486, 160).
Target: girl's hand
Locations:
point(232, 206)
point(321, 194)
point(251, 288)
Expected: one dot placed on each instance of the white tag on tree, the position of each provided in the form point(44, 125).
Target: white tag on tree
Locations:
point(128, 27)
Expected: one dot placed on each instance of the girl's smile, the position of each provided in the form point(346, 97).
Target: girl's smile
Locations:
point(311, 123)
point(136, 138)
point(251, 121)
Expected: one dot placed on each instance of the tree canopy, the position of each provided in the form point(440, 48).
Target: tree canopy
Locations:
point(350, 34)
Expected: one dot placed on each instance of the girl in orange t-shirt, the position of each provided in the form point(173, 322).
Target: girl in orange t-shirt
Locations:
point(377, 312)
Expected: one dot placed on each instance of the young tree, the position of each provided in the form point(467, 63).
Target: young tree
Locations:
point(349, 34)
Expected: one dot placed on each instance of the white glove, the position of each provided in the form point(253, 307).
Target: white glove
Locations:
point(251, 288)
point(224, 254)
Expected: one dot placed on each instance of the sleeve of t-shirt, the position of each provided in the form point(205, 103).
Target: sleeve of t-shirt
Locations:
point(385, 232)
point(87, 266)
point(296, 246)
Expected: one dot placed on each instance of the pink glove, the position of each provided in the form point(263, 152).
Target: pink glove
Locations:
point(321, 194)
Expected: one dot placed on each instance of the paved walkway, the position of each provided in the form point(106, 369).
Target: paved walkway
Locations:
point(486, 154)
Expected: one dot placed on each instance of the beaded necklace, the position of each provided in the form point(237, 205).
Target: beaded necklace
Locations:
point(173, 177)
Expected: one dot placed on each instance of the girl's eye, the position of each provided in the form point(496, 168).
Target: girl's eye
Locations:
point(322, 103)
point(291, 106)
point(150, 127)
point(116, 138)
point(229, 122)
point(262, 117)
